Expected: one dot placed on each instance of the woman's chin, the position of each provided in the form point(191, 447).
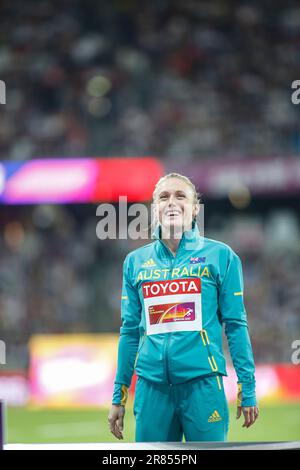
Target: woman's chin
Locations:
point(174, 225)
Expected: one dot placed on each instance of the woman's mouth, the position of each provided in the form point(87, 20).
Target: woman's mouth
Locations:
point(172, 214)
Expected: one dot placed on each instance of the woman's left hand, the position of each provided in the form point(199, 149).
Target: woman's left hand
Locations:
point(250, 414)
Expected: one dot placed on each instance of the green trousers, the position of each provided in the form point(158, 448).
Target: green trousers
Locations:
point(197, 410)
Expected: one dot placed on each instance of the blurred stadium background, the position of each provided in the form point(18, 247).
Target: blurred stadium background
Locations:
point(102, 98)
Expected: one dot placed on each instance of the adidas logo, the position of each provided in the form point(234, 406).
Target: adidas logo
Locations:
point(149, 263)
point(214, 417)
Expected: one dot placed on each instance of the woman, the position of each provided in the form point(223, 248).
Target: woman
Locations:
point(177, 293)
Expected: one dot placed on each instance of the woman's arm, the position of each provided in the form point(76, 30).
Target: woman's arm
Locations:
point(129, 336)
point(233, 314)
point(127, 350)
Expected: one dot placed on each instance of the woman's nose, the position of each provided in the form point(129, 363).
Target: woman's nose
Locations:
point(171, 201)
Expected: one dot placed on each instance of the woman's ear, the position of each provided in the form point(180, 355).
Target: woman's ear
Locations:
point(196, 210)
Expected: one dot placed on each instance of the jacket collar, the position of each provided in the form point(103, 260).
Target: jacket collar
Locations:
point(188, 236)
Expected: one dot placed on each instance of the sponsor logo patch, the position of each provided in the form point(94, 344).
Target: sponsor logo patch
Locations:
point(171, 312)
point(173, 305)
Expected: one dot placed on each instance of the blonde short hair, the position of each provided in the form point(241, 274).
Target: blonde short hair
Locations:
point(181, 177)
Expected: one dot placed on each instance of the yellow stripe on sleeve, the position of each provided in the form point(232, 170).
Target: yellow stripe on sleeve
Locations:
point(239, 395)
point(124, 397)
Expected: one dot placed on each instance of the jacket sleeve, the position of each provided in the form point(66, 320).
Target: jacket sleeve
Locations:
point(234, 316)
point(129, 336)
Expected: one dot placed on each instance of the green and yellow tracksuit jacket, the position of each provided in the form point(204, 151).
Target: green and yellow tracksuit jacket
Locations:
point(173, 309)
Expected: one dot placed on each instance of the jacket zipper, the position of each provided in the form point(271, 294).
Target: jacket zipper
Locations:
point(169, 334)
point(167, 342)
point(138, 353)
point(142, 343)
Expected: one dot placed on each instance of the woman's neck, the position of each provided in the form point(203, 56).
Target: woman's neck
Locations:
point(172, 239)
point(172, 244)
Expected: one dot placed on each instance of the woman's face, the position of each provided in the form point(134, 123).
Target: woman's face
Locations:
point(174, 205)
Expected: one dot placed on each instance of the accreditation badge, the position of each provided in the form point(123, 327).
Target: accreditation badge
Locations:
point(173, 305)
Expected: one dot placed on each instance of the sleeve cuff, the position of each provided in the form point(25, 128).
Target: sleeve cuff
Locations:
point(120, 395)
point(246, 394)
point(251, 401)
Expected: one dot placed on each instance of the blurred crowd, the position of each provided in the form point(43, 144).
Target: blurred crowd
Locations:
point(170, 78)
point(56, 276)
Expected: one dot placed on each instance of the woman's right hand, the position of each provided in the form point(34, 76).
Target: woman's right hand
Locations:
point(116, 420)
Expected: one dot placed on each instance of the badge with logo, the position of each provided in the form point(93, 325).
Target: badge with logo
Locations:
point(197, 259)
point(173, 305)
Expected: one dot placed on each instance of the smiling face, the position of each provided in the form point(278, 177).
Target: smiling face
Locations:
point(175, 205)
